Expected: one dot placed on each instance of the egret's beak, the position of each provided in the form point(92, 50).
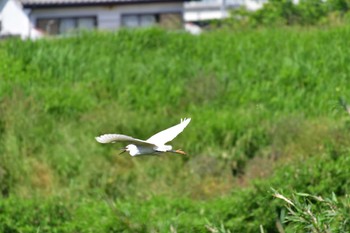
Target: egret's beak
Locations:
point(122, 151)
point(179, 151)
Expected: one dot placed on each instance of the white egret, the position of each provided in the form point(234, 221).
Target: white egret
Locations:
point(153, 145)
point(344, 104)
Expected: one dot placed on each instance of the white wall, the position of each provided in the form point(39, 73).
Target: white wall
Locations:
point(108, 17)
point(14, 21)
point(216, 9)
point(254, 4)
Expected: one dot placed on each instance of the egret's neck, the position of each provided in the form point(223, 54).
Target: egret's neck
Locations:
point(164, 148)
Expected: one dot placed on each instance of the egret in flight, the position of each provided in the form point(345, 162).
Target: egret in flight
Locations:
point(153, 145)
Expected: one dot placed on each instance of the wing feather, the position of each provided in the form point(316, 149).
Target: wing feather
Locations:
point(112, 138)
point(169, 134)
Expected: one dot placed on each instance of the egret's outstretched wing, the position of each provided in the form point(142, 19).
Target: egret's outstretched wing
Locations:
point(169, 134)
point(112, 138)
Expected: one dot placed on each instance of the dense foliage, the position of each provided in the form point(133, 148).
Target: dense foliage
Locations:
point(286, 12)
point(265, 115)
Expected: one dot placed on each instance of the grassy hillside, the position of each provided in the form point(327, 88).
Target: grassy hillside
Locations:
point(265, 115)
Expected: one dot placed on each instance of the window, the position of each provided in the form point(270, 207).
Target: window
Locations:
point(66, 25)
point(168, 20)
point(130, 21)
point(86, 23)
point(50, 26)
point(54, 26)
point(147, 20)
point(144, 20)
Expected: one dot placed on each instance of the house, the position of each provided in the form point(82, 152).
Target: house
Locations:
point(14, 21)
point(206, 10)
point(63, 16)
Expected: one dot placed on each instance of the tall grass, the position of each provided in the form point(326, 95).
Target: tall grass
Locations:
point(262, 103)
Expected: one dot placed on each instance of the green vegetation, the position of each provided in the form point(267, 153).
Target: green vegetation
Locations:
point(265, 116)
point(316, 214)
point(285, 12)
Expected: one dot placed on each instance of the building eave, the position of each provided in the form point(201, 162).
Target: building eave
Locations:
point(78, 3)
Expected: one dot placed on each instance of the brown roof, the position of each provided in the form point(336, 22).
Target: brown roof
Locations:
point(41, 3)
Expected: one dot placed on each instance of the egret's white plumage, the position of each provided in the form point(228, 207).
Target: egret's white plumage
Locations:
point(155, 144)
